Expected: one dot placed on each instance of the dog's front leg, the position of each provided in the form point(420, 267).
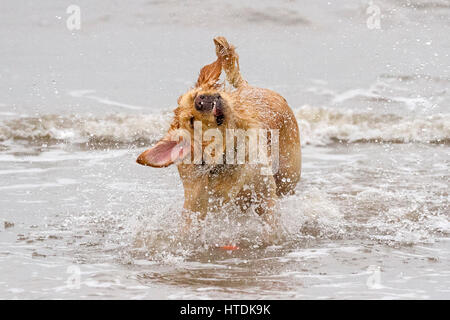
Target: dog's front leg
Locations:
point(266, 207)
point(195, 203)
point(190, 209)
point(267, 211)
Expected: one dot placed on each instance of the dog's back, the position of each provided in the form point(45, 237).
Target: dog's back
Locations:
point(273, 112)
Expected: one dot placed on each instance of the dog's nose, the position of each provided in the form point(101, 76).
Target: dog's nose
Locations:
point(206, 102)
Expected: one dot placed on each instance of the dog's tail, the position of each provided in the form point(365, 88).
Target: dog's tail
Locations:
point(230, 61)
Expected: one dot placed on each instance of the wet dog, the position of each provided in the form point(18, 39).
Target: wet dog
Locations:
point(210, 178)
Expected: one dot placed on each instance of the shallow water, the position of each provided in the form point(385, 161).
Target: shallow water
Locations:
point(80, 219)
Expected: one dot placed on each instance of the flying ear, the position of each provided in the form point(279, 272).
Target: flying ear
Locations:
point(229, 58)
point(209, 75)
point(164, 153)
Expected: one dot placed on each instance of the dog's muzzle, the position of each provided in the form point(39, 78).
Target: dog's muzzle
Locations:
point(210, 103)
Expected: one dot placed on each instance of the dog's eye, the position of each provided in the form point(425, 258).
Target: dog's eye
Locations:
point(192, 122)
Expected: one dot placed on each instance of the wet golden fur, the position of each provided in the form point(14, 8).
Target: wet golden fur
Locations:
point(208, 187)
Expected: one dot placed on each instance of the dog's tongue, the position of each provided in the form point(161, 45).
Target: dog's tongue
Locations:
point(217, 111)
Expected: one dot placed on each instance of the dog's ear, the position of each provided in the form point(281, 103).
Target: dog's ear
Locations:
point(209, 75)
point(164, 153)
point(226, 53)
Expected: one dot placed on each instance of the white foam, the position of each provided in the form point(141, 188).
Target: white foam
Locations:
point(8, 114)
point(321, 126)
point(89, 95)
point(59, 155)
point(26, 186)
point(318, 126)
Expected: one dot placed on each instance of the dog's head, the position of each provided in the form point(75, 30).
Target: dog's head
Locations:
point(206, 105)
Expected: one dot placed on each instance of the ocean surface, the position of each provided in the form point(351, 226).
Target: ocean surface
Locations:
point(79, 219)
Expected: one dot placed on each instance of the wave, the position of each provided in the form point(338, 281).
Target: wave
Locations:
point(109, 130)
point(321, 126)
point(318, 125)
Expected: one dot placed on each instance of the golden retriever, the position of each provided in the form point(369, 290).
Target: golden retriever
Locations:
point(212, 106)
